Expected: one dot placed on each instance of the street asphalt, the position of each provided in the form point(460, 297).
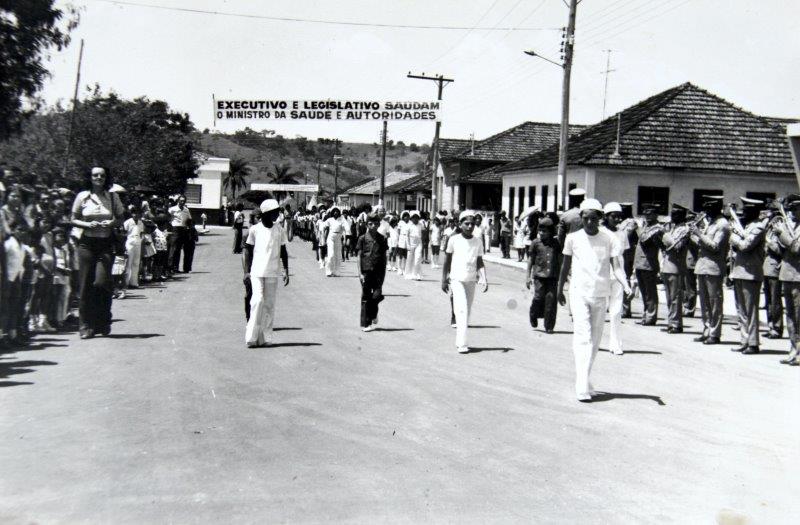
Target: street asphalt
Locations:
point(172, 419)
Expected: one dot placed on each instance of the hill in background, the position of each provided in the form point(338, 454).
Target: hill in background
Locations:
point(359, 162)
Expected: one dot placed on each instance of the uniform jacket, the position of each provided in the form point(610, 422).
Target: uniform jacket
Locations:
point(790, 266)
point(712, 248)
point(646, 256)
point(748, 252)
point(773, 254)
point(545, 259)
point(676, 244)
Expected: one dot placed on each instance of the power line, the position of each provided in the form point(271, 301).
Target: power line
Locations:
point(605, 36)
point(326, 22)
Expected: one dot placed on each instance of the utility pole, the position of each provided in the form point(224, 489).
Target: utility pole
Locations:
point(569, 43)
point(72, 114)
point(383, 164)
point(441, 82)
point(335, 170)
point(605, 88)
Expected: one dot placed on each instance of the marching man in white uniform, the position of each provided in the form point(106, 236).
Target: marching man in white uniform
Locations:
point(265, 248)
point(592, 256)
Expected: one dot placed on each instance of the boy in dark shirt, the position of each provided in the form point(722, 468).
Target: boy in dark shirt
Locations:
point(371, 264)
point(544, 265)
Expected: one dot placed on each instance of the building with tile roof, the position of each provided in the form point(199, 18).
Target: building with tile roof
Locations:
point(673, 147)
point(367, 192)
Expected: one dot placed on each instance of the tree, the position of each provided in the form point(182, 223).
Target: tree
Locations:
point(236, 178)
point(28, 29)
point(141, 141)
point(282, 174)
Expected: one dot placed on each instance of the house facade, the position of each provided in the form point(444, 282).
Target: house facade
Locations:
point(204, 191)
point(671, 148)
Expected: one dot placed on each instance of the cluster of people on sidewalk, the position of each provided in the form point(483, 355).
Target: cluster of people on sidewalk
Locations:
point(64, 256)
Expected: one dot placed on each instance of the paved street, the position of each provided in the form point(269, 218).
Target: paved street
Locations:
point(173, 420)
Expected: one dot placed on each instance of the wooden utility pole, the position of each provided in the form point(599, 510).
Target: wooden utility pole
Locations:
point(72, 114)
point(383, 164)
point(605, 88)
point(335, 170)
point(441, 82)
point(569, 43)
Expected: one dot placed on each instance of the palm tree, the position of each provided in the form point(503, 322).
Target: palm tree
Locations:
point(236, 176)
point(282, 174)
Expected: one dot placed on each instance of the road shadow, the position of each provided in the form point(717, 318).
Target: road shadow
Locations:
point(13, 368)
point(130, 336)
point(644, 352)
point(285, 328)
point(393, 330)
point(479, 349)
point(483, 326)
point(396, 295)
point(555, 332)
point(772, 352)
point(279, 345)
point(608, 396)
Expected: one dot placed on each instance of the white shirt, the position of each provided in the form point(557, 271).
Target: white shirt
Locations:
point(414, 233)
point(266, 243)
point(179, 216)
point(464, 265)
point(335, 227)
point(591, 262)
point(15, 259)
point(402, 234)
point(134, 229)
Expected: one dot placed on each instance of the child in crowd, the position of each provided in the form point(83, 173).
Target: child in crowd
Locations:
point(42, 300)
point(436, 239)
point(148, 251)
point(402, 242)
point(160, 244)
point(371, 264)
point(544, 265)
point(134, 229)
point(61, 277)
point(392, 243)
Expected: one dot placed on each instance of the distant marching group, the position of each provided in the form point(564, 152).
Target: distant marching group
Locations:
point(598, 249)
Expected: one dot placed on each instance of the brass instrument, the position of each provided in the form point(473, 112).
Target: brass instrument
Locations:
point(786, 220)
point(736, 223)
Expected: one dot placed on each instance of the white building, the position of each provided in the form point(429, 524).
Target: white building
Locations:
point(204, 192)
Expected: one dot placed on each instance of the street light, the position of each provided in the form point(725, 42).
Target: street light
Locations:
point(535, 54)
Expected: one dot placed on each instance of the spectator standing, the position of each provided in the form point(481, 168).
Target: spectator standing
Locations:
point(180, 217)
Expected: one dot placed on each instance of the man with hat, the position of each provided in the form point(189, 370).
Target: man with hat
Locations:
point(592, 256)
point(789, 236)
point(646, 263)
point(712, 243)
point(264, 248)
point(630, 227)
point(773, 291)
point(673, 268)
point(463, 267)
point(570, 221)
point(747, 271)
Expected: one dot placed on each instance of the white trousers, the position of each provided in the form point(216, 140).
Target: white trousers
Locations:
point(413, 269)
point(262, 310)
point(333, 263)
point(615, 316)
point(588, 317)
point(134, 250)
point(463, 295)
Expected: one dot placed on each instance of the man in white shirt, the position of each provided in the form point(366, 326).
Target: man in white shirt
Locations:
point(180, 216)
point(264, 248)
point(613, 217)
point(591, 255)
point(463, 267)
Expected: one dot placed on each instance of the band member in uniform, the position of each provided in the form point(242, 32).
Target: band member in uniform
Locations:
point(773, 291)
point(673, 268)
point(629, 226)
point(747, 271)
point(646, 264)
point(690, 278)
point(712, 243)
point(789, 235)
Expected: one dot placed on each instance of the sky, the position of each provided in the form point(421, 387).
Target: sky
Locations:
point(743, 51)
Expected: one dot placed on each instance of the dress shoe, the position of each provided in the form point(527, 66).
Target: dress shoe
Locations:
point(711, 341)
point(86, 333)
point(667, 329)
point(772, 335)
point(677, 330)
point(105, 331)
point(739, 348)
point(788, 360)
point(750, 350)
point(700, 339)
point(794, 362)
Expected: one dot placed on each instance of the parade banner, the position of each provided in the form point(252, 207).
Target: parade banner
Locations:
point(342, 110)
point(309, 188)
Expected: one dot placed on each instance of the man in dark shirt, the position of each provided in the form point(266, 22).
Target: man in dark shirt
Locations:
point(544, 265)
point(646, 264)
point(371, 263)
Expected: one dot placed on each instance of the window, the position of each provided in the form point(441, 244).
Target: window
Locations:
point(510, 202)
point(194, 193)
point(697, 202)
point(521, 205)
point(654, 195)
point(545, 189)
point(531, 195)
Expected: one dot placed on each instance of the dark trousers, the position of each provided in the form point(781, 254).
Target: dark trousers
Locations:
point(181, 240)
point(747, 299)
point(237, 239)
point(648, 287)
point(545, 302)
point(689, 293)
point(673, 284)
point(791, 295)
point(505, 245)
point(188, 255)
point(95, 258)
point(371, 295)
point(12, 306)
point(248, 294)
point(773, 292)
point(709, 288)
